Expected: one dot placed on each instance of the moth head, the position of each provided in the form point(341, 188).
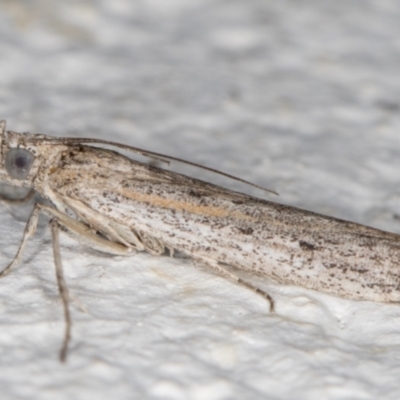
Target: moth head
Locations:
point(18, 159)
point(18, 163)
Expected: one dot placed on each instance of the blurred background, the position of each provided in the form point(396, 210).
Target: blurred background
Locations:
point(302, 97)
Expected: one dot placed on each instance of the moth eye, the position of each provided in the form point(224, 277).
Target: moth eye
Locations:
point(18, 163)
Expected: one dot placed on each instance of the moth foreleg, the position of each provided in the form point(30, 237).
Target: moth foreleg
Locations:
point(62, 287)
point(29, 230)
point(224, 272)
point(79, 230)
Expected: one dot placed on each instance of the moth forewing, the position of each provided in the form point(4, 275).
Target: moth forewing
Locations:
point(219, 226)
point(118, 205)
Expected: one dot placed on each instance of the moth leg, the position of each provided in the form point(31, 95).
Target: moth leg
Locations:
point(224, 272)
point(78, 229)
point(62, 287)
point(86, 235)
point(29, 231)
point(24, 199)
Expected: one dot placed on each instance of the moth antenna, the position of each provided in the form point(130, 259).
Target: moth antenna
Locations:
point(153, 155)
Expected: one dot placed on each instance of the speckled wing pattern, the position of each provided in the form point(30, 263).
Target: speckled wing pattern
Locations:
point(149, 208)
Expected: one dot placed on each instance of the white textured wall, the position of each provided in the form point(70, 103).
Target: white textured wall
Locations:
point(302, 97)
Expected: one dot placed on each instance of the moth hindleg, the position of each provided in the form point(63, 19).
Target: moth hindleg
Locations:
point(224, 272)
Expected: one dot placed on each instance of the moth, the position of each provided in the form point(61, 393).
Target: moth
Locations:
point(119, 206)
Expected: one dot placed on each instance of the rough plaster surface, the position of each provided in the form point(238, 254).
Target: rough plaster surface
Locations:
point(302, 97)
